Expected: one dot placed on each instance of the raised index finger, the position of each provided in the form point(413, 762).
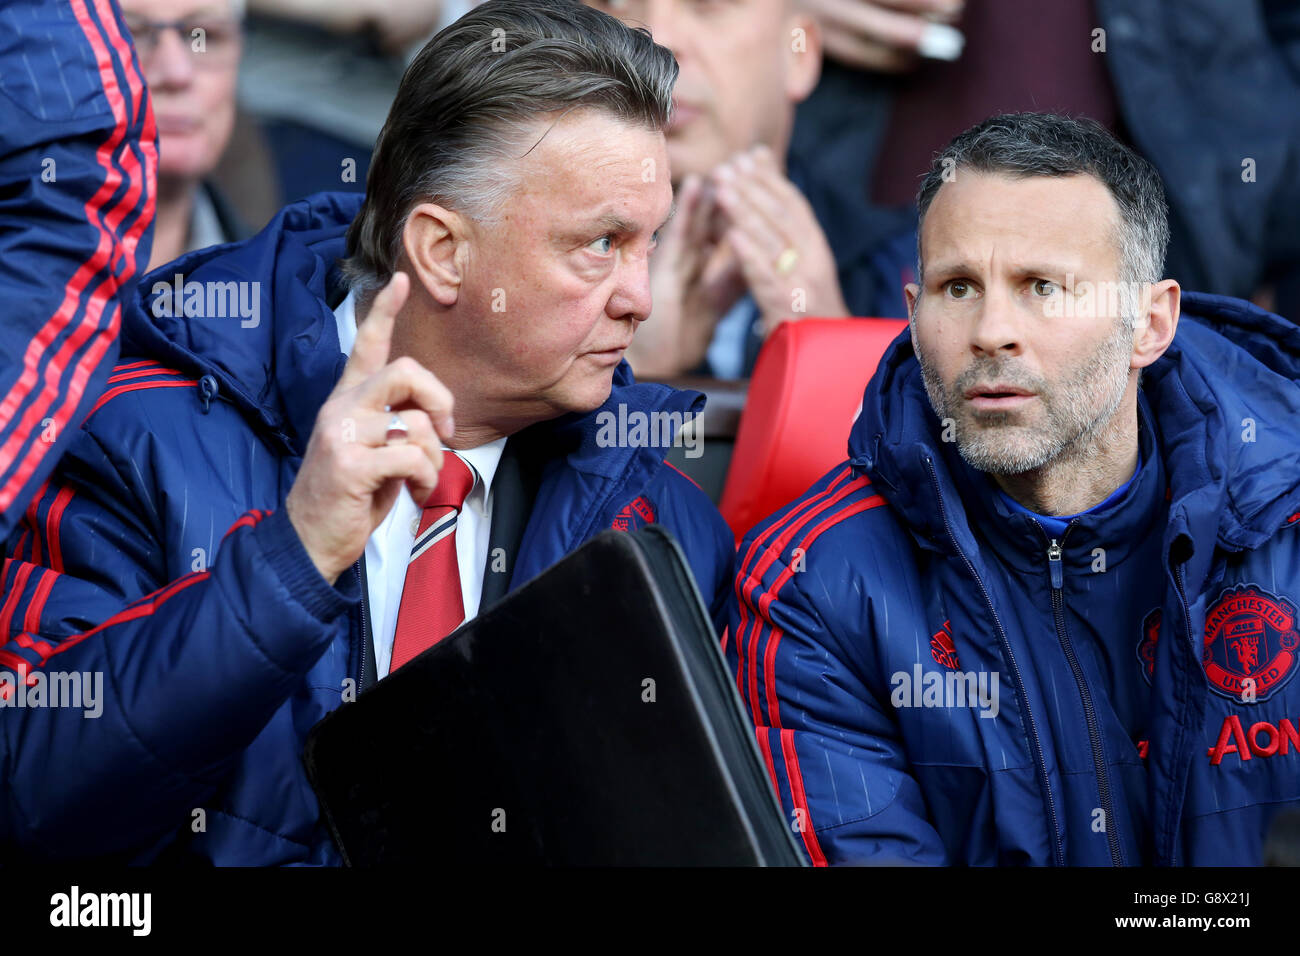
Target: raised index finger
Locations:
point(375, 333)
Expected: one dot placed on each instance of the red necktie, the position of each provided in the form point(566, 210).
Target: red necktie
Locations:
point(432, 606)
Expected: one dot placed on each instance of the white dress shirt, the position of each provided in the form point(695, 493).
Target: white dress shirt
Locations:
point(389, 549)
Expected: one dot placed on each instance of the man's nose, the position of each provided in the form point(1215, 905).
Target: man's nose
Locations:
point(999, 327)
point(631, 298)
point(172, 62)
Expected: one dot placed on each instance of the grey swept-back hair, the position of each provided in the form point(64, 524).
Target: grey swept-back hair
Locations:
point(1046, 144)
point(469, 98)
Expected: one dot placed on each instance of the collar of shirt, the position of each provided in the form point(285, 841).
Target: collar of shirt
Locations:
point(483, 460)
point(726, 352)
point(205, 224)
point(388, 550)
point(1119, 526)
point(1056, 524)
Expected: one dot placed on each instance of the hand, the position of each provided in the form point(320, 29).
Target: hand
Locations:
point(350, 476)
point(784, 256)
point(880, 35)
point(694, 279)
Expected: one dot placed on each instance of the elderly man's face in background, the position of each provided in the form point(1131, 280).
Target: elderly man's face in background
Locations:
point(1026, 369)
point(735, 88)
point(191, 79)
point(553, 292)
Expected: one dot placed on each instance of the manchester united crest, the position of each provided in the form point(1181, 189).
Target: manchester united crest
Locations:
point(1250, 643)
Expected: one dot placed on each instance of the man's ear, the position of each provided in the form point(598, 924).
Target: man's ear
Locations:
point(910, 292)
point(803, 57)
point(1157, 325)
point(432, 240)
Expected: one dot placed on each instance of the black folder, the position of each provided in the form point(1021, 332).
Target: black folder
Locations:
point(585, 719)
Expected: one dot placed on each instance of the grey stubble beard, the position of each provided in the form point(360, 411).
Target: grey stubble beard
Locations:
point(1071, 428)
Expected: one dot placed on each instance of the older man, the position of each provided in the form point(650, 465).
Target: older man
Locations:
point(1042, 615)
point(754, 243)
point(189, 50)
point(305, 480)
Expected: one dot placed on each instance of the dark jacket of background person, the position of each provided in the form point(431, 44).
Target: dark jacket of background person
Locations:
point(173, 569)
point(1201, 86)
point(78, 159)
point(1119, 695)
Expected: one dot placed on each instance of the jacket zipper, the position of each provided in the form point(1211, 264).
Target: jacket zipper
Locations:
point(1090, 715)
point(1058, 848)
point(365, 636)
point(1175, 856)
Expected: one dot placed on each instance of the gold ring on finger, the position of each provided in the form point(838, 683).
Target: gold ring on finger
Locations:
point(787, 260)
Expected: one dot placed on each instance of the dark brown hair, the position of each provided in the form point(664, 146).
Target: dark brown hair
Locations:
point(474, 90)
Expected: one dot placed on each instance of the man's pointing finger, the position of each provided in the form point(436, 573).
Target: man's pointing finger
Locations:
point(375, 332)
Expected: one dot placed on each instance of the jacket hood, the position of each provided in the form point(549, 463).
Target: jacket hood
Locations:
point(256, 316)
point(1226, 404)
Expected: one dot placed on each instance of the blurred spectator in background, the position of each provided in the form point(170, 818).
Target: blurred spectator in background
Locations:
point(319, 77)
point(756, 239)
point(189, 50)
point(1207, 90)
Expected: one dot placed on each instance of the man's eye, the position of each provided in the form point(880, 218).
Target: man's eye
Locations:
point(607, 249)
point(958, 289)
point(1045, 287)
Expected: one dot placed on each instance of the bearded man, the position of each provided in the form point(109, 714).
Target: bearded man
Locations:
point(1046, 611)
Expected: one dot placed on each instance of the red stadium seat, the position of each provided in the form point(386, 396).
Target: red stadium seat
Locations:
point(803, 397)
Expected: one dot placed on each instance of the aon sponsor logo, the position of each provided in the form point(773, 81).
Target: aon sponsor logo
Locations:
point(1260, 739)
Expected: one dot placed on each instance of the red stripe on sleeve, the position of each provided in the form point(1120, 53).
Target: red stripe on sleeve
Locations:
point(38, 365)
point(247, 521)
point(11, 600)
point(15, 663)
point(767, 559)
point(32, 616)
point(33, 522)
point(766, 599)
point(765, 748)
point(140, 373)
point(112, 393)
point(743, 573)
point(52, 521)
point(142, 608)
point(682, 473)
point(800, 798)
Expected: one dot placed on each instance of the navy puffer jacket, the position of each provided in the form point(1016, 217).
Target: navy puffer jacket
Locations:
point(937, 679)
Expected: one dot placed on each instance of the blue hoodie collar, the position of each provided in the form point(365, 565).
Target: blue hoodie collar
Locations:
point(280, 370)
point(1136, 514)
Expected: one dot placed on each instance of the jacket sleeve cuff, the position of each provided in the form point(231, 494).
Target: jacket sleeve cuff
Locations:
point(297, 573)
